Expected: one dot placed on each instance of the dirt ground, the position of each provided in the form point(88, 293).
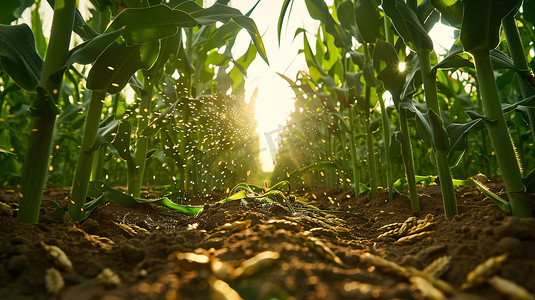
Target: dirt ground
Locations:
point(255, 250)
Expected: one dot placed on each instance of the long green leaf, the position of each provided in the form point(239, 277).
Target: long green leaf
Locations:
point(408, 26)
point(222, 13)
point(368, 20)
point(12, 10)
point(284, 8)
point(121, 142)
point(450, 10)
point(18, 56)
point(457, 134)
point(113, 69)
point(348, 20)
point(319, 11)
point(98, 189)
point(481, 23)
point(162, 120)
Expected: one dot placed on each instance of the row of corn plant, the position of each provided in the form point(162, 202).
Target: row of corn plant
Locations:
point(359, 37)
point(116, 48)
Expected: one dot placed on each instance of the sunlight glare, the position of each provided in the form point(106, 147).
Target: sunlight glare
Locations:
point(443, 37)
point(275, 97)
point(273, 105)
point(401, 66)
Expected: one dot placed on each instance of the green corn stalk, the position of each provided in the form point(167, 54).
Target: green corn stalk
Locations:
point(367, 20)
point(85, 159)
point(353, 152)
point(480, 32)
point(408, 160)
point(439, 137)
point(394, 81)
point(136, 176)
point(96, 170)
point(499, 135)
point(516, 49)
point(40, 144)
point(387, 142)
point(369, 145)
point(389, 34)
point(415, 36)
point(98, 163)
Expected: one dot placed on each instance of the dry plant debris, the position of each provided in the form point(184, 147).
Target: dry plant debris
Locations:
point(409, 231)
point(61, 260)
point(484, 271)
point(510, 289)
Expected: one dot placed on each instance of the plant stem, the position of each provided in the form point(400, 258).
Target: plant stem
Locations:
point(408, 161)
point(369, 146)
point(345, 156)
point(104, 19)
point(483, 147)
point(35, 167)
point(499, 135)
point(40, 144)
point(98, 163)
point(439, 137)
point(96, 170)
point(353, 152)
point(134, 184)
point(389, 34)
point(85, 160)
point(514, 42)
point(386, 142)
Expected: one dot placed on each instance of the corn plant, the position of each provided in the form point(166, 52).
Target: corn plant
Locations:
point(21, 61)
point(414, 34)
point(480, 33)
point(113, 69)
point(441, 123)
point(123, 48)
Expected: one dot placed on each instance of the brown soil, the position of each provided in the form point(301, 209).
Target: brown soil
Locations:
point(266, 253)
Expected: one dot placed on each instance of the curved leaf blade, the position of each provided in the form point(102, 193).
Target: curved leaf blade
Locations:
point(18, 56)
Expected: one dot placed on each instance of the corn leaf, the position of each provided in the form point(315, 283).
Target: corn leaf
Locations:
point(422, 125)
point(113, 69)
point(385, 62)
point(121, 142)
point(368, 20)
point(105, 134)
point(481, 23)
point(99, 189)
point(284, 9)
point(12, 10)
point(222, 13)
point(348, 20)
point(408, 26)
point(440, 136)
point(236, 196)
point(238, 72)
point(162, 120)
point(450, 10)
point(319, 11)
point(2, 150)
point(457, 134)
point(37, 28)
point(18, 56)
